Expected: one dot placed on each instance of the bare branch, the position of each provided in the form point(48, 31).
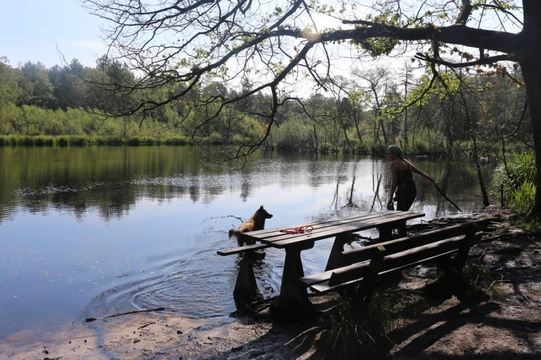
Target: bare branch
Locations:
point(484, 61)
point(464, 13)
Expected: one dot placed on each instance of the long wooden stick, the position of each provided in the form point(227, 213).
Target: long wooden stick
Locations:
point(451, 201)
point(90, 319)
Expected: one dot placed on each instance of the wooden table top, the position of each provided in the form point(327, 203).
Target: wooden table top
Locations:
point(283, 237)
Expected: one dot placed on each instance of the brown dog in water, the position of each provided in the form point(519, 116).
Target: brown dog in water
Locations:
point(256, 222)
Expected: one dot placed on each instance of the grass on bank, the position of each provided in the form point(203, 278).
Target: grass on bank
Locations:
point(81, 140)
point(359, 329)
point(363, 148)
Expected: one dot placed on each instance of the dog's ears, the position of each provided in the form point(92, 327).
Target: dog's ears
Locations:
point(261, 208)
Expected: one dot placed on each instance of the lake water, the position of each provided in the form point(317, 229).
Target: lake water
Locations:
point(93, 231)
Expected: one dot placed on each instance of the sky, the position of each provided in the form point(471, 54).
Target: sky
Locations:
point(39, 30)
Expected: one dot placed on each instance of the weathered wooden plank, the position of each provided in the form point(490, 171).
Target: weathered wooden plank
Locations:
point(368, 273)
point(357, 275)
point(400, 260)
point(324, 287)
point(270, 234)
point(330, 228)
point(324, 222)
point(393, 246)
point(317, 278)
point(326, 275)
point(241, 249)
point(420, 248)
point(423, 252)
point(333, 230)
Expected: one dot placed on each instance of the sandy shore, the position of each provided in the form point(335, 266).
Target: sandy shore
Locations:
point(157, 336)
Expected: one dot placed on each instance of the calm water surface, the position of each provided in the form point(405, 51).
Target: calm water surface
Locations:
point(93, 231)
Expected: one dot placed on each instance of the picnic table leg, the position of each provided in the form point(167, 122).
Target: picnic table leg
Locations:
point(336, 251)
point(386, 230)
point(385, 233)
point(246, 291)
point(293, 302)
point(402, 229)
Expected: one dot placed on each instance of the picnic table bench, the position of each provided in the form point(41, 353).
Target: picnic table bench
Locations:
point(362, 266)
point(293, 298)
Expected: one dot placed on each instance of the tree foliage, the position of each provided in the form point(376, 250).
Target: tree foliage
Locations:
point(275, 44)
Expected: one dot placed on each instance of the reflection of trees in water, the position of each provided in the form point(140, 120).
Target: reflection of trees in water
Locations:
point(376, 192)
point(108, 179)
point(111, 181)
point(426, 192)
point(443, 184)
point(377, 181)
point(194, 191)
point(340, 178)
point(113, 199)
point(351, 203)
point(245, 188)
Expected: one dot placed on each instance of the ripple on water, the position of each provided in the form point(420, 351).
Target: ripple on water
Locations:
point(198, 287)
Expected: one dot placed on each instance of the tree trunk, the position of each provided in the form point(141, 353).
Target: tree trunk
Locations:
point(316, 139)
point(356, 121)
point(382, 125)
point(479, 172)
point(532, 78)
point(347, 142)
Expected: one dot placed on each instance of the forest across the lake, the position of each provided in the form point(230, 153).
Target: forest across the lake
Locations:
point(480, 114)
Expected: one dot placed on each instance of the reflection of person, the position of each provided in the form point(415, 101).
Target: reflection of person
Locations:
point(402, 179)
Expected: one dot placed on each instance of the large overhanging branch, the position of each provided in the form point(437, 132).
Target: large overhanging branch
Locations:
point(504, 42)
point(512, 44)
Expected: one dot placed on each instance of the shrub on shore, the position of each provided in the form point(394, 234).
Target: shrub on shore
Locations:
point(513, 182)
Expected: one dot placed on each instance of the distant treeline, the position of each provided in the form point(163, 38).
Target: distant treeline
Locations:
point(81, 140)
point(71, 105)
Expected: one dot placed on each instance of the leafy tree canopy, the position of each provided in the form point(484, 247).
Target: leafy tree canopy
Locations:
point(278, 43)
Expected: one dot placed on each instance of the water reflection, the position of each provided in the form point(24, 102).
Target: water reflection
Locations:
point(113, 179)
point(88, 232)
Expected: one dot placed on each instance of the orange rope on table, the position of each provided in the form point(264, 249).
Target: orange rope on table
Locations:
point(299, 230)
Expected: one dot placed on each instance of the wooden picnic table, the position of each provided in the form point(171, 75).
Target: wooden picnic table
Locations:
point(293, 298)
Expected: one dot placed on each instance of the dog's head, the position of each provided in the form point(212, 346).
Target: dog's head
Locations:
point(264, 214)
